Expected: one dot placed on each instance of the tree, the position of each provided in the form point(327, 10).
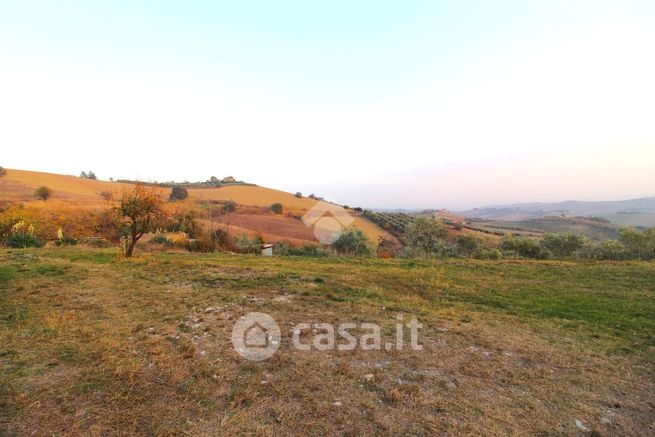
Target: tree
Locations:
point(83, 175)
point(43, 193)
point(139, 211)
point(425, 234)
point(609, 250)
point(353, 242)
point(178, 192)
point(3, 172)
point(562, 244)
point(524, 247)
point(91, 175)
point(277, 208)
point(298, 194)
point(467, 244)
point(635, 242)
point(214, 180)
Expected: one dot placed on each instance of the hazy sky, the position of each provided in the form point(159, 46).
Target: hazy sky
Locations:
point(371, 103)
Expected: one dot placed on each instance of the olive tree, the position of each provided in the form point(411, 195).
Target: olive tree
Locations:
point(425, 234)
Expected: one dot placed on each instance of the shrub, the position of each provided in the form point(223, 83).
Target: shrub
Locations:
point(277, 208)
point(482, 253)
point(184, 221)
point(203, 245)
point(440, 250)
point(563, 244)
point(162, 239)
point(3, 172)
point(222, 239)
point(286, 249)
point(43, 193)
point(21, 240)
point(178, 192)
point(467, 244)
point(353, 242)
point(298, 194)
point(245, 244)
point(229, 206)
point(106, 195)
point(524, 247)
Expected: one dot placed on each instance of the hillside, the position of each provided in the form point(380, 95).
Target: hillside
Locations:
point(596, 229)
point(634, 212)
point(251, 216)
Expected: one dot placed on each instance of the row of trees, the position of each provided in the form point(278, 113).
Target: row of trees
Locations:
point(427, 237)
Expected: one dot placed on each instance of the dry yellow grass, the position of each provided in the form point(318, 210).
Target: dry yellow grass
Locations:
point(62, 185)
point(19, 185)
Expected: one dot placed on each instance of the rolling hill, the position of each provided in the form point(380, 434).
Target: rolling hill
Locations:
point(632, 212)
point(252, 216)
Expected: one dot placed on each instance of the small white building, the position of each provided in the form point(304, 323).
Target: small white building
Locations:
point(267, 250)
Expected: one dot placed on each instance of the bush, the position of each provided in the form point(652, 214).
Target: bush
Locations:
point(43, 193)
point(3, 172)
point(277, 208)
point(467, 244)
point(563, 244)
point(162, 239)
point(222, 240)
point(229, 206)
point(286, 249)
point(245, 244)
point(22, 240)
point(298, 194)
point(440, 250)
point(203, 245)
point(178, 192)
point(353, 242)
point(184, 221)
point(523, 247)
point(482, 253)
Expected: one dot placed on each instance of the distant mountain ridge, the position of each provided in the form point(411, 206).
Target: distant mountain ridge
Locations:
point(632, 212)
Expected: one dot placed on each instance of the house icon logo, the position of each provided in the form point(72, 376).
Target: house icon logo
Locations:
point(327, 220)
point(256, 336)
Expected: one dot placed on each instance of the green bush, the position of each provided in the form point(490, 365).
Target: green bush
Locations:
point(244, 244)
point(178, 192)
point(277, 208)
point(43, 193)
point(22, 240)
point(467, 244)
point(353, 242)
point(286, 249)
point(160, 238)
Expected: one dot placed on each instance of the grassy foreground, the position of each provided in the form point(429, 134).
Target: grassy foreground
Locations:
point(94, 345)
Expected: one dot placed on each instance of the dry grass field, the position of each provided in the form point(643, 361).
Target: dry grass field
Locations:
point(91, 344)
point(75, 192)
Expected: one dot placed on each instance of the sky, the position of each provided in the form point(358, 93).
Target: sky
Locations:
point(406, 104)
